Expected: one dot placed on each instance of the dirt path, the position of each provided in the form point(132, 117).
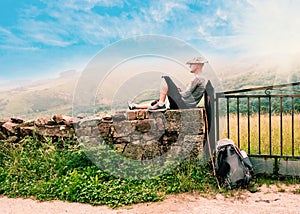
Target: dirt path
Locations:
point(268, 200)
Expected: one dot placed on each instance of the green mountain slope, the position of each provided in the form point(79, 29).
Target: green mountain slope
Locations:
point(39, 99)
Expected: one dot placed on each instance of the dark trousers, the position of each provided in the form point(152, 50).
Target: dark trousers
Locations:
point(173, 95)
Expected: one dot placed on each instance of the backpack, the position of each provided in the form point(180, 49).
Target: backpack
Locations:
point(233, 167)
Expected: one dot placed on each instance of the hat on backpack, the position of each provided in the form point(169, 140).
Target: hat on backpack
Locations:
point(197, 60)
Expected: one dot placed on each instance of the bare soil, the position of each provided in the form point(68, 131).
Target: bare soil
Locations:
point(272, 199)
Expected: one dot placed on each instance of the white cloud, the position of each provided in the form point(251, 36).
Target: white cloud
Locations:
point(256, 28)
point(251, 2)
point(47, 33)
point(170, 6)
point(249, 26)
point(202, 31)
point(85, 5)
point(162, 11)
point(67, 22)
point(18, 48)
point(8, 40)
point(7, 36)
point(221, 14)
point(51, 40)
point(73, 21)
point(271, 27)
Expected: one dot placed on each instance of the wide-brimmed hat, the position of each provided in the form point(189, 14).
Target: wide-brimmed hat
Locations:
point(197, 60)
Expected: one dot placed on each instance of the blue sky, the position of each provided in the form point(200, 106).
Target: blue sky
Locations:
point(41, 38)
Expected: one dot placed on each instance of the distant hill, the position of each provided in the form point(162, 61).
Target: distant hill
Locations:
point(32, 99)
point(249, 79)
point(39, 98)
point(260, 71)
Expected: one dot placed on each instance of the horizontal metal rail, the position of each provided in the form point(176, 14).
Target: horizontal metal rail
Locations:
point(257, 95)
point(271, 87)
point(274, 156)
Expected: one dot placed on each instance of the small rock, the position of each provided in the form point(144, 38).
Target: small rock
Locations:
point(28, 123)
point(81, 116)
point(106, 117)
point(119, 116)
point(25, 131)
point(2, 122)
point(10, 127)
point(89, 122)
point(44, 121)
point(63, 119)
point(131, 115)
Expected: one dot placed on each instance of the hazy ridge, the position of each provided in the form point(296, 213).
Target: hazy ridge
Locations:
point(51, 96)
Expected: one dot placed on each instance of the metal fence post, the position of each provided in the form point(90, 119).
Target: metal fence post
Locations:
point(210, 112)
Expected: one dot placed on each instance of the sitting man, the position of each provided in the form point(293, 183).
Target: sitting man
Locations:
point(179, 99)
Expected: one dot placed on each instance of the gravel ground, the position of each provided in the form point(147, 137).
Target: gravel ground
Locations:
point(270, 199)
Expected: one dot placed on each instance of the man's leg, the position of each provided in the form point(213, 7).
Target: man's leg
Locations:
point(142, 106)
point(173, 94)
point(169, 89)
point(163, 93)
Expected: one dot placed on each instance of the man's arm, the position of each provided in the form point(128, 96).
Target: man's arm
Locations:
point(196, 82)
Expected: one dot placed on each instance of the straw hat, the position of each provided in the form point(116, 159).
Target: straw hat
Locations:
point(197, 60)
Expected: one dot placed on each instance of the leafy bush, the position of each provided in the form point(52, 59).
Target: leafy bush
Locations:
point(48, 170)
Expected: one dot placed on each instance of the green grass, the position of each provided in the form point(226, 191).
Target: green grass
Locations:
point(47, 170)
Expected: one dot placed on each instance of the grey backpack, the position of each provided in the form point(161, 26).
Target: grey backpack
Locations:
point(233, 167)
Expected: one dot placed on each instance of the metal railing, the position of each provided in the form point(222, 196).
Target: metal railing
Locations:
point(280, 102)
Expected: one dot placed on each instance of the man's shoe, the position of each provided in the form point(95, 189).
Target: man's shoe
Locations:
point(157, 108)
point(131, 106)
point(154, 102)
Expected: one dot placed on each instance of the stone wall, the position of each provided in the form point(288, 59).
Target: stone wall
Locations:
point(15, 129)
point(137, 134)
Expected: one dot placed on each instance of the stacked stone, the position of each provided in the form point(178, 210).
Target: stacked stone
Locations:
point(141, 134)
point(137, 134)
point(16, 128)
